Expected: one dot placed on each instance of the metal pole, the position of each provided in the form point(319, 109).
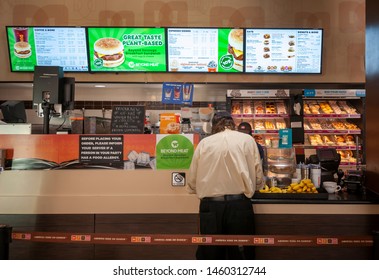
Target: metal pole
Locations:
point(5, 239)
point(46, 117)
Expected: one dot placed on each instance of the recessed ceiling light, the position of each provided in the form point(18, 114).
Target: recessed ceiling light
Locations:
point(100, 86)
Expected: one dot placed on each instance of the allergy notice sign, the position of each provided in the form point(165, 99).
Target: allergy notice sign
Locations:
point(101, 149)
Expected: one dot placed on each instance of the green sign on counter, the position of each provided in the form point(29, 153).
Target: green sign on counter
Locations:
point(174, 151)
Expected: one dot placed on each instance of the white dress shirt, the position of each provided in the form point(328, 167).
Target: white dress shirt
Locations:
point(225, 163)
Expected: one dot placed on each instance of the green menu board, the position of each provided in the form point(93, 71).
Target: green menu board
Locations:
point(136, 49)
point(209, 50)
point(47, 46)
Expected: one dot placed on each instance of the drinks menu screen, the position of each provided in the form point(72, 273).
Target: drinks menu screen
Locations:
point(124, 49)
point(47, 46)
point(205, 50)
point(283, 51)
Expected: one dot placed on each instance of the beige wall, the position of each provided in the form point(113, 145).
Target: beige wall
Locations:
point(343, 22)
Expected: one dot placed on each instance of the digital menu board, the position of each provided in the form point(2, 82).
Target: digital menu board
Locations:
point(283, 51)
point(124, 49)
point(47, 46)
point(205, 50)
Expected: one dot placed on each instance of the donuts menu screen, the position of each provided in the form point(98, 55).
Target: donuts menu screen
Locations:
point(124, 49)
point(283, 51)
point(47, 46)
point(205, 50)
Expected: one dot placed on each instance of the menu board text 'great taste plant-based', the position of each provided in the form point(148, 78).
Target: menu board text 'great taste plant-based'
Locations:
point(118, 49)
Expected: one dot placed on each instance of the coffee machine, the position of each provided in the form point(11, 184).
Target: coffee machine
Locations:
point(329, 161)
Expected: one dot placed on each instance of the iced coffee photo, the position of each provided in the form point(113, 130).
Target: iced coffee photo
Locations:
point(22, 47)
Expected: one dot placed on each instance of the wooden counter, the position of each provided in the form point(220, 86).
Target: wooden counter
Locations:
point(92, 191)
point(138, 192)
point(143, 201)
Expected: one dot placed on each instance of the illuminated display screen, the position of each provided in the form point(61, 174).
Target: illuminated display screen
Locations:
point(205, 50)
point(47, 46)
point(137, 49)
point(283, 51)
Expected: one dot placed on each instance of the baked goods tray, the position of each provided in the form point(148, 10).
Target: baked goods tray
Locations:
point(305, 196)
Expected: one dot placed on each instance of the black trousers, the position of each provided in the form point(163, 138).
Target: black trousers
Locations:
point(235, 217)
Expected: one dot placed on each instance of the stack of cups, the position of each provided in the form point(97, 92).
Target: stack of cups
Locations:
point(316, 175)
point(304, 171)
point(298, 172)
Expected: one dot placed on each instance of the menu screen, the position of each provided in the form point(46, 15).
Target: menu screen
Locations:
point(205, 50)
point(118, 49)
point(283, 51)
point(47, 46)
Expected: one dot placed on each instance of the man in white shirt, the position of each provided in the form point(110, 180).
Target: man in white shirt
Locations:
point(225, 172)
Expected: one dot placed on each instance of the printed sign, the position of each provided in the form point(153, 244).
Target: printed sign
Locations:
point(174, 151)
point(334, 93)
point(63, 151)
point(169, 124)
point(285, 138)
point(177, 93)
point(258, 93)
point(178, 179)
point(101, 149)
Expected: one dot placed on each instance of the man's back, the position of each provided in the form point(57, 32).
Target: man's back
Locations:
point(223, 166)
point(224, 173)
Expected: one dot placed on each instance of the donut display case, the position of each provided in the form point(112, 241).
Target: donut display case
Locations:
point(336, 122)
point(330, 119)
point(267, 111)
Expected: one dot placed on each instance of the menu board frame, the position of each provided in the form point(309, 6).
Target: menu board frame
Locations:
point(164, 49)
point(223, 56)
point(278, 69)
point(32, 55)
point(135, 41)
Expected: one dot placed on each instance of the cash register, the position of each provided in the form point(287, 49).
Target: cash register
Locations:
point(329, 160)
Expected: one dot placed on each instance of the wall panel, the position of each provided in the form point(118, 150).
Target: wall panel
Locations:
point(343, 22)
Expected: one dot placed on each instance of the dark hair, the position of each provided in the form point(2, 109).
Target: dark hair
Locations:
point(221, 121)
point(245, 127)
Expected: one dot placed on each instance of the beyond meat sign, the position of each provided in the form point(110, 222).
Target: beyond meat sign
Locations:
point(137, 49)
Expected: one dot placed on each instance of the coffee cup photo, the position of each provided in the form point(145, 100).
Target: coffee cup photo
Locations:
point(331, 187)
point(168, 92)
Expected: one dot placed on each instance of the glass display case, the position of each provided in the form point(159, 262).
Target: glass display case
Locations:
point(332, 121)
point(331, 118)
point(279, 166)
point(267, 111)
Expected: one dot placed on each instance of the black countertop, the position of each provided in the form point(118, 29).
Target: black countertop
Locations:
point(341, 197)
